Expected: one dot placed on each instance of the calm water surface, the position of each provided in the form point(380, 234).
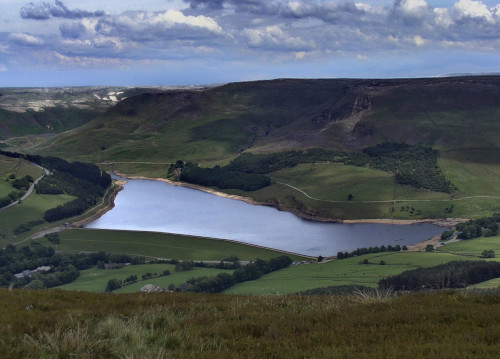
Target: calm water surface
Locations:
point(147, 205)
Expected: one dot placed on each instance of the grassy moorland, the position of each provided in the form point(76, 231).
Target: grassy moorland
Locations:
point(47, 324)
point(160, 245)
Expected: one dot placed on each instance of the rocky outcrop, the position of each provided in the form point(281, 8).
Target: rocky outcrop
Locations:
point(343, 110)
point(151, 288)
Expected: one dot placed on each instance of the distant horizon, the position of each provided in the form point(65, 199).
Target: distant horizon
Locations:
point(209, 85)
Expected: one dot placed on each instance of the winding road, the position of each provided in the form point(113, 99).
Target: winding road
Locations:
point(30, 189)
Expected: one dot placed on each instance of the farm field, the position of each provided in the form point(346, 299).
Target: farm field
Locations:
point(159, 245)
point(473, 247)
point(95, 280)
point(348, 271)
point(19, 168)
point(33, 208)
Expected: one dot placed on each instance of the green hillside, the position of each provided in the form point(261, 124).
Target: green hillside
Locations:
point(447, 113)
point(459, 116)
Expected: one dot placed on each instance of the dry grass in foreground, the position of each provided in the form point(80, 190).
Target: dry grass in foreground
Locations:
point(57, 324)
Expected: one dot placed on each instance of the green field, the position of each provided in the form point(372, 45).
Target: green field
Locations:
point(324, 188)
point(95, 280)
point(489, 284)
point(19, 168)
point(33, 208)
point(160, 245)
point(348, 271)
point(474, 247)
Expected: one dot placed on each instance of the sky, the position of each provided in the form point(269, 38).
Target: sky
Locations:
point(199, 42)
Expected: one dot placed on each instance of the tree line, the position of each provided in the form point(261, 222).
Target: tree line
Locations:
point(65, 267)
point(456, 274)
point(412, 165)
point(369, 250)
point(221, 177)
point(485, 226)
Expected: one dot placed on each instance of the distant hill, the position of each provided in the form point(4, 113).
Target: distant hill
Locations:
point(32, 111)
point(452, 113)
point(458, 116)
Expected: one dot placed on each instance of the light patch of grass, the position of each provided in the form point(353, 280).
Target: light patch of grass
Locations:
point(489, 284)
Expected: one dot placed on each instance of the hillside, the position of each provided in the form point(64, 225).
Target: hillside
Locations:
point(283, 114)
point(458, 116)
point(31, 115)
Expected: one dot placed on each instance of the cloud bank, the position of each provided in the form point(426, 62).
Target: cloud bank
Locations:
point(45, 11)
point(276, 31)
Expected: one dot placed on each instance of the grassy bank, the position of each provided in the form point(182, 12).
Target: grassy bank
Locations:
point(160, 245)
point(46, 324)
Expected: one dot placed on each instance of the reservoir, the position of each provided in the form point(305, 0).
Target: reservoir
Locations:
point(148, 205)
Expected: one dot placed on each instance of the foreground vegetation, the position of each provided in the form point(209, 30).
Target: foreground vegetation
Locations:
point(56, 324)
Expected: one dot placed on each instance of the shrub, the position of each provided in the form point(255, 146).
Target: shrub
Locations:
point(113, 284)
point(488, 253)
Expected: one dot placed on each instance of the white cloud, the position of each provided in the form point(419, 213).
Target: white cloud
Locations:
point(361, 57)
point(496, 10)
point(25, 39)
point(299, 55)
point(274, 37)
point(413, 6)
point(472, 9)
point(172, 17)
point(442, 17)
point(3, 68)
point(418, 40)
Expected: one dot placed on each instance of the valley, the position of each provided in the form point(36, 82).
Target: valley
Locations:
point(346, 151)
